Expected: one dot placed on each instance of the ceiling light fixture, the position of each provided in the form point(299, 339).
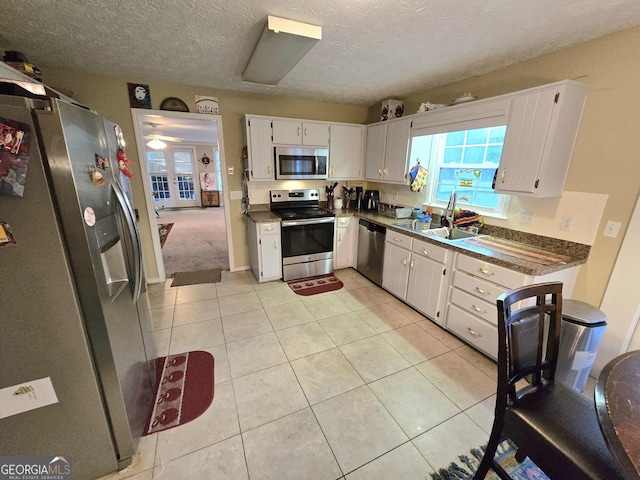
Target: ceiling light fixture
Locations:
point(156, 144)
point(281, 46)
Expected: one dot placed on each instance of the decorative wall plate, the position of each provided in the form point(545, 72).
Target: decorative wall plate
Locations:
point(174, 104)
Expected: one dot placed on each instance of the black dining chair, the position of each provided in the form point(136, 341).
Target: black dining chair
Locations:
point(552, 424)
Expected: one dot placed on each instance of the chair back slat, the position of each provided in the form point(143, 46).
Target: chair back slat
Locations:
point(529, 320)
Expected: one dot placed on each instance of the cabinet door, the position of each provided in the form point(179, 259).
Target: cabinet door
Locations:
point(260, 148)
point(270, 257)
point(524, 141)
point(295, 132)
point(287, 132)
point(315, 134)
point(426, 281)
point(541, 133)
point(344, 238)
point(395, 154)
point(374, 152)
point(395, 271)
point(346, 151)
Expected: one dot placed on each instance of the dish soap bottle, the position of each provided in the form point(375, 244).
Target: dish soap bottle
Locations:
point(443, 220)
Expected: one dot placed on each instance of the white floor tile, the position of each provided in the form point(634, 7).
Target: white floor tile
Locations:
point(303, 340)
point(373, 358)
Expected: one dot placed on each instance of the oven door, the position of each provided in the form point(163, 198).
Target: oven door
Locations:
point(307, 247)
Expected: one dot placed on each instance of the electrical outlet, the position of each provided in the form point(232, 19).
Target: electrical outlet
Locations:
point(231, 170)
point(611, 229)
point(527, 216)
point(567, 223)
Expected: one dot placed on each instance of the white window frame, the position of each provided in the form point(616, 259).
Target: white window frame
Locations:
point(501, 211)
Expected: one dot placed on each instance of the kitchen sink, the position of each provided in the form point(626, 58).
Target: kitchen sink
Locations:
point(454, 233)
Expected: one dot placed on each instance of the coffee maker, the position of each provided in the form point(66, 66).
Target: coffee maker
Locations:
point(371, 200)
point(359, 199)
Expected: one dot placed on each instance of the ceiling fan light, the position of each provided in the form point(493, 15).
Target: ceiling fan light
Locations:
point(156, 144)
point(281, 46)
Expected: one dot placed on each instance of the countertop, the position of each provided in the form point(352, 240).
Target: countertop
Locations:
point(577, 253)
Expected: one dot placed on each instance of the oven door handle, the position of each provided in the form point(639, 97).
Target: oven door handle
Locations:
point(295, 223)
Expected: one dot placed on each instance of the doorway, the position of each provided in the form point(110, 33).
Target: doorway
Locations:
point(171, 177)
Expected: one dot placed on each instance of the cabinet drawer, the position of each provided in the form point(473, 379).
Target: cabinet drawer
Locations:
point(431, 251)
point(267, 228)
point(342, 221)
point(473, 330)
point(399, 239)
point(493, 273)
point(485, 310)
point(478, 286)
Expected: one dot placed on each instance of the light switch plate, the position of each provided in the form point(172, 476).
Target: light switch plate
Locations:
point(611, 229)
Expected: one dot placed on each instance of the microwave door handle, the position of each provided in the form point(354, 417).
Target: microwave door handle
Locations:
point(134, 235)
point(317, 164)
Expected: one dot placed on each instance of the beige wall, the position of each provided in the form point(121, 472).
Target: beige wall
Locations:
point(606, 157)
point(109, 97)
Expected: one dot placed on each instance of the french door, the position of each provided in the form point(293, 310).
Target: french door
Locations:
point(172, 174)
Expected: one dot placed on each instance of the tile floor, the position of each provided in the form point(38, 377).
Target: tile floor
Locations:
point(351, 384)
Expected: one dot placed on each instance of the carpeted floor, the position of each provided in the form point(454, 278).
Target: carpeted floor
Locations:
point(198, 240)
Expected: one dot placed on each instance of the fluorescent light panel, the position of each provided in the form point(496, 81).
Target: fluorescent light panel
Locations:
point(281, 46)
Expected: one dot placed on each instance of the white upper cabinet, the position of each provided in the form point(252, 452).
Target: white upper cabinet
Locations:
point(346, 151)
point(386, 152)
point(541, 132)
point(260, 148)
point(295, 132)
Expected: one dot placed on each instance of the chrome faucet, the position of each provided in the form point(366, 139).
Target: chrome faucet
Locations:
point(451, 207)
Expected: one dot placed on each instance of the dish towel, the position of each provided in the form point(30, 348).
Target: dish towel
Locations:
point(438, 232)
point(418, 175)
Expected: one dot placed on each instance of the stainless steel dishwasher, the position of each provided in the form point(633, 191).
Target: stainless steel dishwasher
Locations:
point(371, 250)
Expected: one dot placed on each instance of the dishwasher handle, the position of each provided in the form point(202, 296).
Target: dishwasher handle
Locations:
point(373, 227)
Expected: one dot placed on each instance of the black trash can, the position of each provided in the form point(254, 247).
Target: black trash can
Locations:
point(583, 326)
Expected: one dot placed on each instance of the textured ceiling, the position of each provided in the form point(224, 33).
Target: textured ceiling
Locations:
point(371, 49)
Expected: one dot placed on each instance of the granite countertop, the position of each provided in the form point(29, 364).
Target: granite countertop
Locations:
point(577, 253)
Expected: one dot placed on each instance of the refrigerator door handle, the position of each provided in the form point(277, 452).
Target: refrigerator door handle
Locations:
point(134, 234)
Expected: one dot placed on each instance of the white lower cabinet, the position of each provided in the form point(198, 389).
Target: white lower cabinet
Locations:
point(475, 286)
point(345, 241)
point(265, 254)
point(416, 272)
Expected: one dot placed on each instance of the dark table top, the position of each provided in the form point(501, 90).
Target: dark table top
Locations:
point(617, 397)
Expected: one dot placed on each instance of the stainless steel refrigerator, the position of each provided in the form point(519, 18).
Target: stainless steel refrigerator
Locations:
point(72, 292)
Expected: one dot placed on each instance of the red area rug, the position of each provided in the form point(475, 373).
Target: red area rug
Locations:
point(315, 285)
point(164, 229)
point(184, 390)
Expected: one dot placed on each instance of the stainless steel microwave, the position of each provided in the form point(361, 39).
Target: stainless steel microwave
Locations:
point(296, 163)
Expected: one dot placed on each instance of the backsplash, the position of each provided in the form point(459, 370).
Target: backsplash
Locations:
point(585, 208)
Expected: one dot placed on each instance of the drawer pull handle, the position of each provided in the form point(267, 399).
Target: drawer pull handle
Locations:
point(411, 266)
point(397, 240)
point(426, 252)
point(482, 292)
point(504, 172)
point(275, 245)
point(486, 271)
point(478, 309)
point(404, 262)
point(473, 332)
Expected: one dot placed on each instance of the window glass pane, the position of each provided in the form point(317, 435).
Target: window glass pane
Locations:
point(186, 190)
point(473, 155)
point(160, 187)
point(156, 162)
point(182, 162)
point(493, 154)
point(452, 155)
point(455, 138)
point(497, 134)
point(477, 137)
